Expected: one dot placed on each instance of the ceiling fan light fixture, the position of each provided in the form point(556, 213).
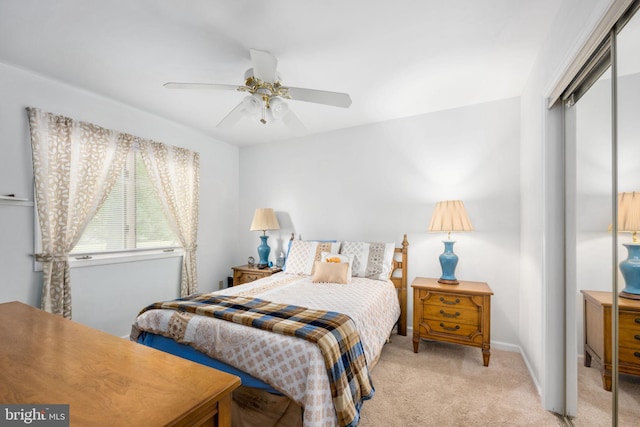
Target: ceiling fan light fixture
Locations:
point(278, 108)
point(252, 106)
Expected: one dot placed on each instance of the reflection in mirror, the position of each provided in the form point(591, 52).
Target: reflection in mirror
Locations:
point(628, 182)
point(602, 174)
point(591, 252)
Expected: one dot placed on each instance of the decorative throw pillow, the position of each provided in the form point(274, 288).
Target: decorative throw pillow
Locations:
point(336, 258)
point(371, 260)
point(304, 253)
point(330, 272)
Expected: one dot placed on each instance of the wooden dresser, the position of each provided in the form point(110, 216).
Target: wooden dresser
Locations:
point(244, 274)
point(105, 380)
point(459, 314)
point(597, 334)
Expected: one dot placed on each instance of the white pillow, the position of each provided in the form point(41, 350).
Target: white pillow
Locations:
point(339, 258)
point(371, 260)
point(304, 253)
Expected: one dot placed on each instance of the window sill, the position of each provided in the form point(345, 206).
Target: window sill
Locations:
point(11, 201)
point(80, 260)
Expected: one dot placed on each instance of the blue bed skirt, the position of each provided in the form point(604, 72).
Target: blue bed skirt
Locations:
point(187, 352)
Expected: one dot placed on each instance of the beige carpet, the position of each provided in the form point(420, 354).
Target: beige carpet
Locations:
point(595, 403)
point(447, 385)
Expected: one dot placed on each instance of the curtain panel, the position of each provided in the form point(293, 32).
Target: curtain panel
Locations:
point(175, 175)
point(75, 166)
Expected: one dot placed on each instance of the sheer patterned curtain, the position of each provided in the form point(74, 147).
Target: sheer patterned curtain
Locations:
point(75, 165)
point(175, 174)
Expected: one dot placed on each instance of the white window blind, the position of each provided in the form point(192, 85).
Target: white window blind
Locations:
point(131, 217)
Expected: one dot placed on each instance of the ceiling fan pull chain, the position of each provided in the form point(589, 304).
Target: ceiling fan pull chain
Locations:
point(264, 112)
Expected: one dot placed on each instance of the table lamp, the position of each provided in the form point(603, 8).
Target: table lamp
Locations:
point(449, 215)
point(629, 222)
point(264, 219)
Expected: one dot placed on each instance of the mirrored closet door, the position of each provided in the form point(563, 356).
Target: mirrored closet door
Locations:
point(628, 245)
point(589, 245)
point(602, 211)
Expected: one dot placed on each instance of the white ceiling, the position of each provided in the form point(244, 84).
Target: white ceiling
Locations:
point(396, 58)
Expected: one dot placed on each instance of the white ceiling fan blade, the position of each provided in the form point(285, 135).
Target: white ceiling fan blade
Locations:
point(293, 122)
point(232, 118)
point(264, 65)
point(335, 99)
point(209, 86)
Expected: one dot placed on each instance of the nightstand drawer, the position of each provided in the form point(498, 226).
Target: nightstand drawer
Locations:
point(244, 274)
point(629, 338)
point(450, 300)
point(451, 314)
point(629, 320)
point(629, 355)
point(247, 277)
point(629, 331)
point(451, 328)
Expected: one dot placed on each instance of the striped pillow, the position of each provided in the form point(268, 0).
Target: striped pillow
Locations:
point(371, 260)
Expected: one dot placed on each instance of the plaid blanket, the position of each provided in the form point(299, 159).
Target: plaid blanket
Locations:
point(334, 333)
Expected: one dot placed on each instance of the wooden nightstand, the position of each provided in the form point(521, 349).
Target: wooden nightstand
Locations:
point(244, 274)
point(459, 314)
point(597, 334)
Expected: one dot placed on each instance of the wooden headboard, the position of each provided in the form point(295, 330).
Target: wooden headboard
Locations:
point(400, 282)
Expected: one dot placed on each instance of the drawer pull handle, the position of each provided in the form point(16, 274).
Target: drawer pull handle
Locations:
point(457, 301)
point(637, 337)
point(449, 328)
point(636, 353)
point(637, 320)
point(451, 316)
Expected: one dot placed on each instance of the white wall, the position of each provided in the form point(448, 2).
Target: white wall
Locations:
point(107, 297)
point(541, 299)
point(378, 182)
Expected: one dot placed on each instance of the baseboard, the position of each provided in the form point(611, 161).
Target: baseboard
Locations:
point(506, 346)
point(531, 374)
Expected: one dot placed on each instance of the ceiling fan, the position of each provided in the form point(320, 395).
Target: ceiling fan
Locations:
point(264, 102)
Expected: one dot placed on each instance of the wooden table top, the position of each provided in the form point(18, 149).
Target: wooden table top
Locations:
point(604, 298)
point(106, 380)
point(467, 287)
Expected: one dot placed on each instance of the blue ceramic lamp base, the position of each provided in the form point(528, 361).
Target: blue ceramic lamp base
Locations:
point(630, 269)
point(448, 262)
point(263, 252)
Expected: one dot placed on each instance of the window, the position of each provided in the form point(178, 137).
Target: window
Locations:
point(131, 218)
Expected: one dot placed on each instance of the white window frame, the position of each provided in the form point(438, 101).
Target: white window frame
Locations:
point(104, 258)
point(90, 259)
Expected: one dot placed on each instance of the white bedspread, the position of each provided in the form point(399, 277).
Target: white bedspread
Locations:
point(291, 365)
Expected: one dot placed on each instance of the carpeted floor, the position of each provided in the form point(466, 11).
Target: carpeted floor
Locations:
point(447, 385)
point(594, 402)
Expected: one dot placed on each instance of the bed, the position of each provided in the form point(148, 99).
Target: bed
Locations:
point(374, 300)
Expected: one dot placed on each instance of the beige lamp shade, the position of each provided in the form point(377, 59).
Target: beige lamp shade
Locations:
point(450, 215)
point(264, 219)
point(628, 214)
